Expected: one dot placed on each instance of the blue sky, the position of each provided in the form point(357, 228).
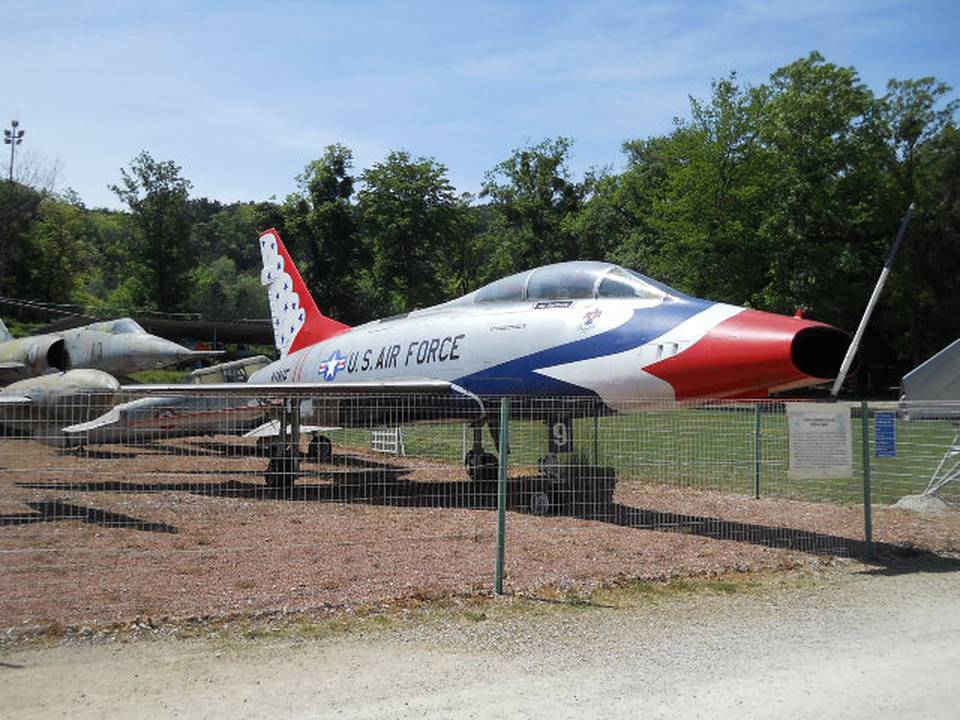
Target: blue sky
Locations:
point(242, 95)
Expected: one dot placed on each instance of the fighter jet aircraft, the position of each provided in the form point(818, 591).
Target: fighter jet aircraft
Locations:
point(584, 330)
point(119, 347)
point(38, 407)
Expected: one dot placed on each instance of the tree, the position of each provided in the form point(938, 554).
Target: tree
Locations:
point(409, 215)
point(60, 242)
point(698, 197)
point(157, 196)
point(532, 192)
point(912, 119)
point(229, 231)
point(828, 188)
point(19, 207)
point(224, 294)
point(319, 219)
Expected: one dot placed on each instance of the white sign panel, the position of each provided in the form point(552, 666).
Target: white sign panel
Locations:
point(821, 445)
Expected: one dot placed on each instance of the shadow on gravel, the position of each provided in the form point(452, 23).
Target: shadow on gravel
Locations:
point(56, 510)
point(365, 481)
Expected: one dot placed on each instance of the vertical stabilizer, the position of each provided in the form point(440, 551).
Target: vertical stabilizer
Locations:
point(297, 321)
point(4, 333)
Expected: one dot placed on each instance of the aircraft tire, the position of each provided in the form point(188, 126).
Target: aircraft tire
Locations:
point(280, 475)
point(540, 503)
point(321, 449)
point(481, 466)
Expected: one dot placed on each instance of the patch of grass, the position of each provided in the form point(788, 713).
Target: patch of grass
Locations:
point(724, 586)
point(578, 600)
point(159, 376)
point(706, 448)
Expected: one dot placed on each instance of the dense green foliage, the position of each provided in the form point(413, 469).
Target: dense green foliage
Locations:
point(781, 196)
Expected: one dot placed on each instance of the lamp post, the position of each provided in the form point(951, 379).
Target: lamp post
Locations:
point(13, 138)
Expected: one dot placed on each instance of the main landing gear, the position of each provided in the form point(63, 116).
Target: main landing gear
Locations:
point(568, 481)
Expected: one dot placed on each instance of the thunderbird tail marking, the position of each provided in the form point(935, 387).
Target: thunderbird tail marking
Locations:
point(297, 321)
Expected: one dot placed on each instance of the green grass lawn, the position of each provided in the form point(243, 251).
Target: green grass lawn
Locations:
point(706, 448)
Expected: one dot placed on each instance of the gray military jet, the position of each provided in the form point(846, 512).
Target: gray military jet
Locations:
point(120, 347)
point(38, 407)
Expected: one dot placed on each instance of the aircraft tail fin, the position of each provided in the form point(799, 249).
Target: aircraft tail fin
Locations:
point(297, 321)
point(4, 333)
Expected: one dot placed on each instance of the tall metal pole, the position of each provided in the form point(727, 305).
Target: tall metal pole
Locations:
point(855, 343)
point(867, 501)
point(13, 138)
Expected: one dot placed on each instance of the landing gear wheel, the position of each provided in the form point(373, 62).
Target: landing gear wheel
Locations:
point(280, 473)
point(321, 449)
point(549, 465)
point(481, 466)
point(540, 503)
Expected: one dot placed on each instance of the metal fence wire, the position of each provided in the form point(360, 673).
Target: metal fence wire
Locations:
point(158, 505)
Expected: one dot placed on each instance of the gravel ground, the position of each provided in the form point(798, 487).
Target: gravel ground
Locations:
point(162, 539)
point(849, 641)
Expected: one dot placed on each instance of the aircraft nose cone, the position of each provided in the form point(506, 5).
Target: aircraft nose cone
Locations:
point(754, 353)
point(148, 353)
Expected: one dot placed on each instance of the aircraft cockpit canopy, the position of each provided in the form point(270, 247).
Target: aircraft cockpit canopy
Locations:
point(123, 326)
point(577, 280)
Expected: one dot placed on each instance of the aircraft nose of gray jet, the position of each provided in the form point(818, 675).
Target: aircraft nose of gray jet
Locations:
point(150, 353)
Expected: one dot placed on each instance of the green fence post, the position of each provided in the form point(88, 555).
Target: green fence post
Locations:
point(867, 506)
point(502, 494)
point(756, 450)
point(596, 436)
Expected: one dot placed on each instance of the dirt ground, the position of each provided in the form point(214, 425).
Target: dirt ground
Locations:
point(187, 530)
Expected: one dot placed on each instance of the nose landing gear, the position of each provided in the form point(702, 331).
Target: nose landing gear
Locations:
point(481, 465)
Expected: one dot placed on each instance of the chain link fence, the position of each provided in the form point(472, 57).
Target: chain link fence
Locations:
point(118, 507)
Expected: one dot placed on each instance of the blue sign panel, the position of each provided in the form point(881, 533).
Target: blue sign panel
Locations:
point(886, 440)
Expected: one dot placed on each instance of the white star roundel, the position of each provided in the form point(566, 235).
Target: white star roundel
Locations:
point(288, 315)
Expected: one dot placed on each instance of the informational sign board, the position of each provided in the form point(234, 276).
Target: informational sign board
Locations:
point(885, 440)
point(820, 441)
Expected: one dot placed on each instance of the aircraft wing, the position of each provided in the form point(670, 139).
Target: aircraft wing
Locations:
point(110, 417)
point(350, 404)
point(11, 370)
point(303, 390)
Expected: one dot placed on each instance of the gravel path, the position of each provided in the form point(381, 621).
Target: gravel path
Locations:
point(840, 642)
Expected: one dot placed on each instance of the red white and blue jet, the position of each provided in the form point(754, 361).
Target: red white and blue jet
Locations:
point(577, 328)
point(560, 340)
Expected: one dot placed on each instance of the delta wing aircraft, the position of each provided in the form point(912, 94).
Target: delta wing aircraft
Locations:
point(593, 333)
point(39, 407)
point(120, 347)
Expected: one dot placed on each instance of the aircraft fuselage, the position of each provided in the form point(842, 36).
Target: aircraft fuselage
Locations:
point(615, 349)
